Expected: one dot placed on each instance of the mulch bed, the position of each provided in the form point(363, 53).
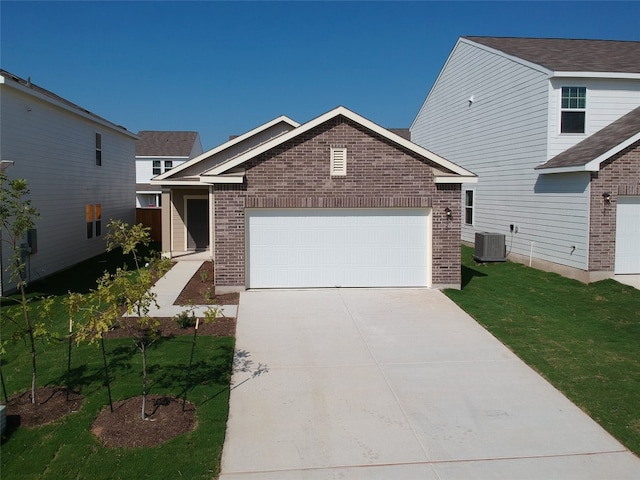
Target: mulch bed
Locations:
point(223, 327)
point(51, 405)
point(200, 292)
point(126, 428)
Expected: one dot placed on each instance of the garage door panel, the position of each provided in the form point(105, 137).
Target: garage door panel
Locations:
point(627, 235)
point(337, 247)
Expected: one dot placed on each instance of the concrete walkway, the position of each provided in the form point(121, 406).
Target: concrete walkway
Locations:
point(168, 288)
point(396, 383)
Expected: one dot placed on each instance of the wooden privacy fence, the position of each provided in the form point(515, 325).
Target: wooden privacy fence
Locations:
point(151, 217)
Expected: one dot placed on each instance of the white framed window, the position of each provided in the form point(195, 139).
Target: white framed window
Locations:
point(157, 170)
point(573, 110)
point(98, 149)
point(93, 214)
point(168, 165)
point(469, 205)
point(338, 161)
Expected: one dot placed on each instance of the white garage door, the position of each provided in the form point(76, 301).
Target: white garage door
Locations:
point(337, 247)
point(628, 235)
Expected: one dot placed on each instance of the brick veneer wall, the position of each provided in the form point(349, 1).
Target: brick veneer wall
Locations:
point(296, 175)
point(620, 175)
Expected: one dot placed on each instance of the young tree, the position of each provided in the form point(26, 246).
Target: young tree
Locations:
point(126, 289)
point(17, 217)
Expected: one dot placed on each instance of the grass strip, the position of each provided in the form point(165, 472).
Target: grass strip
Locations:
point(584, 339)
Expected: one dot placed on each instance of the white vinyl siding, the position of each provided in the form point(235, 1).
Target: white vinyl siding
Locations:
point(54, 150)
point(144, 167)
point(337, 247)
point(607, 100)
point(501, 136)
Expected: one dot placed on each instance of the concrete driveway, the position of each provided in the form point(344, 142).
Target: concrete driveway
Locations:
point(396, 383)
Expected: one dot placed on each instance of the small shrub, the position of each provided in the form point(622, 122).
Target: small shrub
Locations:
point(186, 319)
point(204, 276)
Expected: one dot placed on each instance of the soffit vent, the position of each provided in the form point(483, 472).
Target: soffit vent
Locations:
point(338, 161)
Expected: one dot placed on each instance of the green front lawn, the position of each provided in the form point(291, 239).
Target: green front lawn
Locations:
point(67, 448)
point(585, 339)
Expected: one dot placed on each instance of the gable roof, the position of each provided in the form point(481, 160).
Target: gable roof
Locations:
point(593, 150)
point(165, 143)
point(26, 86)
point(173, 175)
point(450, 173)
point(570, 55)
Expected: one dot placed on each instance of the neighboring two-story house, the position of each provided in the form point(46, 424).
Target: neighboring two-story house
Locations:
point(79, 168)
point(157, 152)
point(552, 129)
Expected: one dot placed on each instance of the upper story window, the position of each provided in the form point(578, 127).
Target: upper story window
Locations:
point(98, 149)
point(573, 110)
point(157, 166)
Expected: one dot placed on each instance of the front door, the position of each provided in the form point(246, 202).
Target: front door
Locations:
point(197, 224)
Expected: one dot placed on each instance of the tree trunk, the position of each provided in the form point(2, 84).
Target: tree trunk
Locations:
point(32, 340)
point(143, 349)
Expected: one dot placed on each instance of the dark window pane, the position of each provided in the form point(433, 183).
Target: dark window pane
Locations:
point(468, 216)
point(89, 229)
point(572, 122)
point(468, 200)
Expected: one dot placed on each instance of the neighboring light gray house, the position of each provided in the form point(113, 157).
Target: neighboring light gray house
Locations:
point(158, 152)
point(79, 168)
point(552, 129)
point(337, 201)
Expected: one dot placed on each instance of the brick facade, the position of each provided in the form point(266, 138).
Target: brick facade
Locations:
point(619, 175)
point(296, 175)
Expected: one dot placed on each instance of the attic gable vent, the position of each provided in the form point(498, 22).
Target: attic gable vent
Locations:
point(338, 161)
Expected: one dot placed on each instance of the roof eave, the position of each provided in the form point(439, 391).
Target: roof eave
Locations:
point(368, 124)
point(606, 75)
point(452, 179)
point(592, 165)
point(228, 144)
point(81, 112)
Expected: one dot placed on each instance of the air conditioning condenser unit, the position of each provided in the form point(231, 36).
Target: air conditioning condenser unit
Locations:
point(490, 247)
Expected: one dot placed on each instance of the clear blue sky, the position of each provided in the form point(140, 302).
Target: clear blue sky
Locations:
point(223, 68)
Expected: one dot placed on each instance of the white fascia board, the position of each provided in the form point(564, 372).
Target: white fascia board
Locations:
point(230, 143)
point(455, 179)
point(157, 157)
point(605, 75)
point(78, 110)
point(573, 169)
point(222, 179)
point(220, 169)
point(170, 183)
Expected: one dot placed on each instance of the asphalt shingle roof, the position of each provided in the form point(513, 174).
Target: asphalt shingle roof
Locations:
point(165, 144)
point(599, 143)
point(570, 55)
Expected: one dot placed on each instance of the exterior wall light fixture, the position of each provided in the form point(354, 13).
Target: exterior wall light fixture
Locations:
point(607, 197)
point(448, 212)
